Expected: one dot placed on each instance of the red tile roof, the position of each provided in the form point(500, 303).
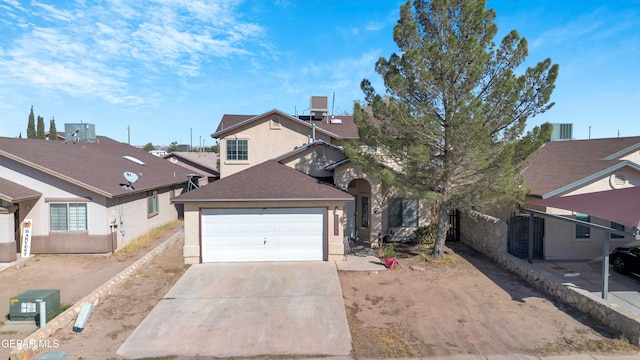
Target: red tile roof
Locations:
point(560, 163)
point(98, 166)
point(268, 181)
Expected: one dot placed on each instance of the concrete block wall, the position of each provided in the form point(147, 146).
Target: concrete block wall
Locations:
point(488, 235)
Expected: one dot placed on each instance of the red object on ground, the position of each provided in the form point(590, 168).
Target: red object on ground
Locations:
point(390, 262)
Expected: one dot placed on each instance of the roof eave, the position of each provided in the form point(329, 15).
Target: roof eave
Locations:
point(216, 135)
point(55, 174)
point(589, 178)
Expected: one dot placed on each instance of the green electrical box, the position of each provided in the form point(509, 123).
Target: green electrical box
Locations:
point(26, 306)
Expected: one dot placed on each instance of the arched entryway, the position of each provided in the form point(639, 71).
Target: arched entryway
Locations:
point(359, 212)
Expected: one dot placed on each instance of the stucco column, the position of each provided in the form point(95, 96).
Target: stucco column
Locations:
point(7, 234)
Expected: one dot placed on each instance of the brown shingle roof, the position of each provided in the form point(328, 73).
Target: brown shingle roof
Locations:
point(12, 192)
point(204, 163)
point(97, 166)
point(560, 163)
point(268, 181)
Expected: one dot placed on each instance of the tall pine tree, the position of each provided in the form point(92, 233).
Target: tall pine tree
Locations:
point(31, 126)
point(451, 126)
point(53, 132)
point(40, 134)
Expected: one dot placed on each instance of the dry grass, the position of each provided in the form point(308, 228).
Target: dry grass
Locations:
point(607, 346)
point(393, 341)
point(144, 240)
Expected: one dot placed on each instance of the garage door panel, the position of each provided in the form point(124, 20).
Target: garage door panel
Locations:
point(263, 234)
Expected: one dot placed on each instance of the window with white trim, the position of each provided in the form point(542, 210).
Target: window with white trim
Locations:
point(68, 217)
point(237, 149)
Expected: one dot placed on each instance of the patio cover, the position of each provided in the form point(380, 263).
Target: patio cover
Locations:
point(620, 205)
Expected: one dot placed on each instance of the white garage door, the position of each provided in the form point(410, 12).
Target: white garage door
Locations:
point(262, 234)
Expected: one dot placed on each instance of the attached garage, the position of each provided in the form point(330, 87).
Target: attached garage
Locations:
point(268, 212)
point(288, 234)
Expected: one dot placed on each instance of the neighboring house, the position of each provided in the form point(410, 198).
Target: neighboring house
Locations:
point(202, 164)
point(328, 188)
point(564, 168)
point(77, 197)
point(158, 153)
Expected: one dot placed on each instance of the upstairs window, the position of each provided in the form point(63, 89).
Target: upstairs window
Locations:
point(237, 149)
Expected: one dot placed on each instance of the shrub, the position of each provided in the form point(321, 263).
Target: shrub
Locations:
point(426, 235)
point(389, 251)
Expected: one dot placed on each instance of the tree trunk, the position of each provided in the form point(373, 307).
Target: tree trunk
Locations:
point(442, 226)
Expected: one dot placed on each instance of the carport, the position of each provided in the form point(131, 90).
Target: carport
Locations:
point(619, 205)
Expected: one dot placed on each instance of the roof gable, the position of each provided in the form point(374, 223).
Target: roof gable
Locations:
point(268, 181)
point(206, 162)
point(561, 166)
point(293, 153)
point(338, 127)
point(97, 167)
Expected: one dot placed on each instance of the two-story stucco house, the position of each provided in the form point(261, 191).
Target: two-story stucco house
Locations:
point(77, 196)
point(566, 168)
point(293, 172)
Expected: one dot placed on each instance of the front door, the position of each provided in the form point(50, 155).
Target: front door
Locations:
point(360, 214)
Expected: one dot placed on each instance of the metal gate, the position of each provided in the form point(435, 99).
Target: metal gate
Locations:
point(519, 236)
point(453, 234)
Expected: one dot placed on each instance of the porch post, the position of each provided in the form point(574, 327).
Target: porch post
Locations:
point(605, 267)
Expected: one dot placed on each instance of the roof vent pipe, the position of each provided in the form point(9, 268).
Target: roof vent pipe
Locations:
point(313, 132)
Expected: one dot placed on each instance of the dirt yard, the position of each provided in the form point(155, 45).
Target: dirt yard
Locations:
point(111, 322)
point(463, 304)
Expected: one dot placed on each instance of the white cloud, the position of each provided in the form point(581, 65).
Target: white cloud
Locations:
point(100, 49)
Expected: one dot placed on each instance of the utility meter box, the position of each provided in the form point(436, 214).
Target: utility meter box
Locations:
point(26, 306)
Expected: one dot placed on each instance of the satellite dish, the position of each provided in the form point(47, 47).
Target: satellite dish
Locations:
point(130, 177)
point(173, 160)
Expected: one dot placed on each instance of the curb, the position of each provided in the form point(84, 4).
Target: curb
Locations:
point(30, 344)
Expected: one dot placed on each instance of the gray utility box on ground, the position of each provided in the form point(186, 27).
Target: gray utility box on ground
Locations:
point(26, 306)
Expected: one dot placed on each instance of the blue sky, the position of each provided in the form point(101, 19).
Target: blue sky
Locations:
point(169, 69)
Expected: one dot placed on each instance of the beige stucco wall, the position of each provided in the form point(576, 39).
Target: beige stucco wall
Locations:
point(267, 140)
point(101, 213)
point(192, 239)
point(560, 242)
point(633, 156)
point(631, 176)
point(380, 194)
point(347, 172)
point(7, 242)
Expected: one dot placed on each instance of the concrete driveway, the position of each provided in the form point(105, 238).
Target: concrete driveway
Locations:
point(247, 309)
point(624, 290)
